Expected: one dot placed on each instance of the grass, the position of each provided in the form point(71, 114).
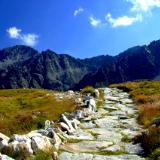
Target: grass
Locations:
point(101, 99)
point(146, 95)
point(22, 110)
point(126, 139)
point(43, 156)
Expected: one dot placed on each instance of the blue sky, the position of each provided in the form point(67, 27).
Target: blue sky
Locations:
point(81, 28)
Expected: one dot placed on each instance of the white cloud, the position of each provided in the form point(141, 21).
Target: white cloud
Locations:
point(14, 32)
point(123, 20)
point(94, 22)
point(78, 11)
point(137, 12)
point(144, 5)
point(30, 39)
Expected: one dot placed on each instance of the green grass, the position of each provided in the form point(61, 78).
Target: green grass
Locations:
point(22, 110)
point(43, 156)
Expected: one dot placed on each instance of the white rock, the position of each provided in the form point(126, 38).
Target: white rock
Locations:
point(68, 122)
point(79, 114)
point(41, 143)
point(65, 127)
point(111, 98)
point(2, 136)
point(5, 157)
point(19, 138)
point(70, 92)
point(92, 105)
point(75, 123)
point(47, 124)
point(96, 91)
point(3, 141)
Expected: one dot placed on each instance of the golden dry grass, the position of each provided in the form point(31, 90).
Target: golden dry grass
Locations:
point(22, 110)
point(146, 95)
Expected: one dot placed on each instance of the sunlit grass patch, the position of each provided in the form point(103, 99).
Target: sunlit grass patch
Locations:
point(22, 110)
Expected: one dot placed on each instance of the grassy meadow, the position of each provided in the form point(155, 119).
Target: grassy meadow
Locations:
point(22, 110)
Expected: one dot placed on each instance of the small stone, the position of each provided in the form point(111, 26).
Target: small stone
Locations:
point(134, 149)
point(55, 156)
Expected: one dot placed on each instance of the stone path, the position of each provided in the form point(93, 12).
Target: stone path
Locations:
point(108, 134)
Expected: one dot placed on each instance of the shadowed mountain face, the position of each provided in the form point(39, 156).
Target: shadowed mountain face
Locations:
point(24, 67)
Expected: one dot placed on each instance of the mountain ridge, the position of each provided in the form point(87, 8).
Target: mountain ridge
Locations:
point(24, 67)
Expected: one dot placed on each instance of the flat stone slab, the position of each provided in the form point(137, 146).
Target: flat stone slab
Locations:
point(80, 135)
point(107, 102)
point(111, 98)
point(103, 134)
point(129, 133)
point(85, 156)
point(126, 101)
point(133, 149)
point(86, 146)
point(87, 125)
point(108, 122)
point(112, 149)
point(118, 113)
point(101, 113)
point(110, 108)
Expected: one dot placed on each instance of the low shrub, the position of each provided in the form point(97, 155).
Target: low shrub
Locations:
point(88, 90)
point(147, 113)
point(149, 140)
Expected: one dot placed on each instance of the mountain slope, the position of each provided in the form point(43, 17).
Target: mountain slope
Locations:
point(24, 67)
point(137, 63)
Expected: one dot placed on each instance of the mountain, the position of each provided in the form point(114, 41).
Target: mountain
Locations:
point(137, 63)
point(24, 67)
